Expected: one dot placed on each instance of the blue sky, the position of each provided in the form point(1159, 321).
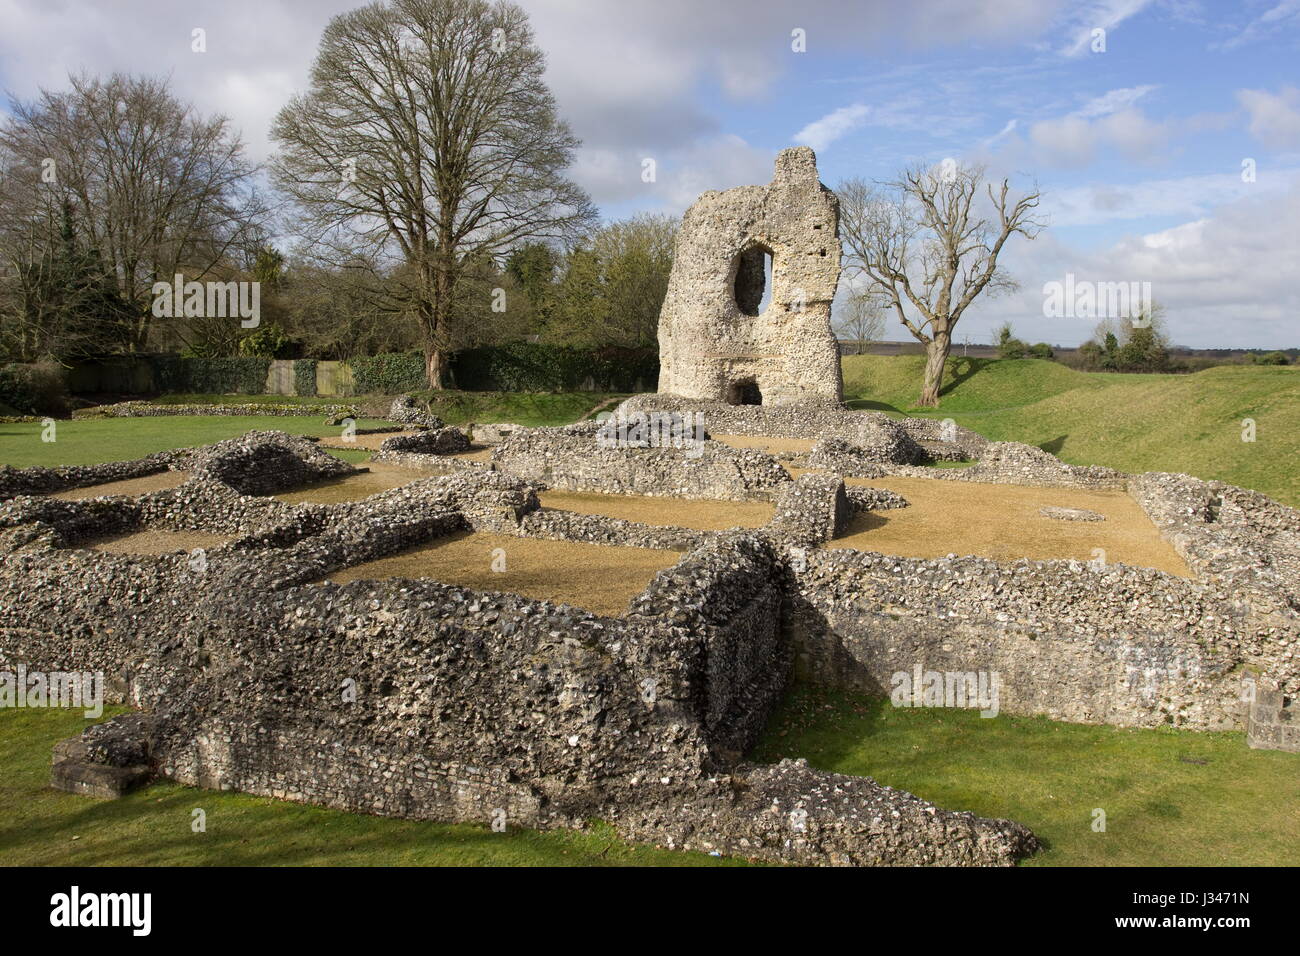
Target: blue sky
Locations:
point(1138, 149)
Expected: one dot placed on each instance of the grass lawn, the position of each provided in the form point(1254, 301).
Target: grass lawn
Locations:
point(452, 406)
point(213, 398)
point(1171, 797)
point(40, 826)
point(87, 441)
point(1190, 423)
point(534, 409)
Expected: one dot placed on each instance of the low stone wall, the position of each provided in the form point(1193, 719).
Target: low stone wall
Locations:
point(789, 812)
point(873, 499)
point(150, 410)
point(434, 441)
point(1241, 538)
point(408, 411)
point(265, 463)
point(908, 440)
point(811, 510)
point(1000, 463)
point(599, 529)
point(573, 459)
point(44, 481)
point(1118, 645)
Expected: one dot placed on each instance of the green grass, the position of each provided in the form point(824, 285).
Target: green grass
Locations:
point(86, 441)
point(1171, 797)
point(533, 409)
point(151, 827)
point(212, 398)
point(1189, 423)
point(452, 406)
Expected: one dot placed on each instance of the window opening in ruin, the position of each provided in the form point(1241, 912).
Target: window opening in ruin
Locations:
point(753, 288)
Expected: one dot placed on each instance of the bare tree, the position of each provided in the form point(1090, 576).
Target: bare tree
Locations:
point(155, 189)
point(862, 320)
point(429, 138)
point(927, 251)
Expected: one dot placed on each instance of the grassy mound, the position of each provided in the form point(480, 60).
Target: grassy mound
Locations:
point(1189, 423)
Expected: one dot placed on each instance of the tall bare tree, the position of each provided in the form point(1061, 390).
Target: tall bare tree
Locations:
point(429, 136)
point(155, 188)
point(927, 248)
point(861, 320)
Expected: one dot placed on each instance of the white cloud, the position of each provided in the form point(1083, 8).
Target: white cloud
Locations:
point(1274, 117)
point(1073, 141)
point(632, 78)
point(822, 132)
point(1113, 101)
point(719, 162)
point(1225, 277)
point(1287, 11)
point(1104, 15)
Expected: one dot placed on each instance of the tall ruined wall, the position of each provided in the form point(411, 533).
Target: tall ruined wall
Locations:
point(714, 345)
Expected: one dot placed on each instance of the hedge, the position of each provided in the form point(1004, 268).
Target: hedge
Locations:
point(532, 367)
point(389, 373)
point(304, 377)
point(38, 389)
point(210, 376)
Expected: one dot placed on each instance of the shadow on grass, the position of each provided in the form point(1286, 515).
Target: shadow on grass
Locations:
point(963, 369)
point(1055, 445)
point(866, 405)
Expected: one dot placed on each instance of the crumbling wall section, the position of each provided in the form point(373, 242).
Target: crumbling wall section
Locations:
point(714, 344)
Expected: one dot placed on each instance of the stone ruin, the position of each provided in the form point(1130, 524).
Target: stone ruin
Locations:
point(714, 343)
point(473, 705)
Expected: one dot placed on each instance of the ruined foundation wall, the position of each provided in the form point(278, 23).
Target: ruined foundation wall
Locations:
point(573, 459)
point(1119, 645)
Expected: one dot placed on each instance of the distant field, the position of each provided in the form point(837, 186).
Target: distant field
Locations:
point(1190, 423)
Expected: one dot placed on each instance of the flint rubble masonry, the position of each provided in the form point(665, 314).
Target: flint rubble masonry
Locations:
point(713, 344)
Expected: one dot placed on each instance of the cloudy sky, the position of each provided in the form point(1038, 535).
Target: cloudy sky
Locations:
point(1142, 149)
